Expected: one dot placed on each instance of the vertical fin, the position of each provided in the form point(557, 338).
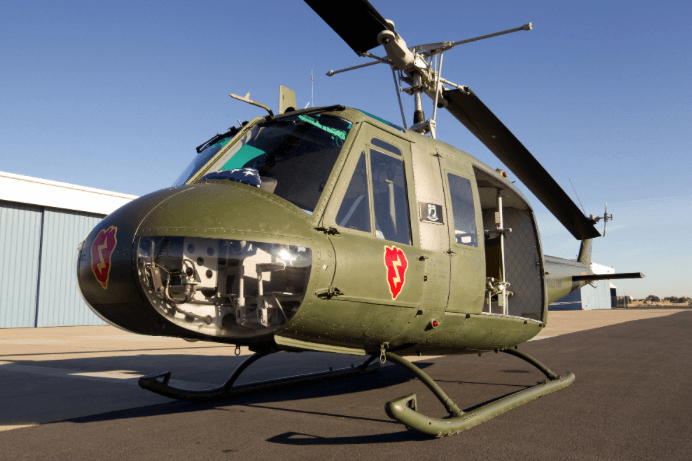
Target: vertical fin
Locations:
point(585, 252)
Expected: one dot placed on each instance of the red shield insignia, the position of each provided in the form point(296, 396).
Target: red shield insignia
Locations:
point(101, 251)
point(396, 264)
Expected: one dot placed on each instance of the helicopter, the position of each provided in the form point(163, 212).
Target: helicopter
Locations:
point(330, 229)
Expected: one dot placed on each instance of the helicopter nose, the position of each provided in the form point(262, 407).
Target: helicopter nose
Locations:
point(131, 274)
point(224, 209)
point(227, 260)
point(104, 266)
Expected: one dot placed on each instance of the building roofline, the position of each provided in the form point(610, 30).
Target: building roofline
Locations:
point(54, 194)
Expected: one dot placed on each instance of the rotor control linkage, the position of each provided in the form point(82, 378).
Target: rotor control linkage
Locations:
point(405, 409)
point(158, 383)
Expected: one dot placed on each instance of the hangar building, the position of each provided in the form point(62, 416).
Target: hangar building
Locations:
point(41, 224)
point(601, 294)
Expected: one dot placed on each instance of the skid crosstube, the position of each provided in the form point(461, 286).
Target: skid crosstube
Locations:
point(228, 390)
point(404, 409)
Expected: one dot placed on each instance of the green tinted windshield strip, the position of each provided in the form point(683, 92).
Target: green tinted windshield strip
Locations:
point(240, 158)
point(383, 121)
point(219, 144)
point(341, 134)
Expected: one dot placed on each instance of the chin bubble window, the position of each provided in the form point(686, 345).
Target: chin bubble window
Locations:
point(231, 288)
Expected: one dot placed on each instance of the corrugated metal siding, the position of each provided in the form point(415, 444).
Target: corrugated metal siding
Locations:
point(571, 302)
point(20, 238)
point(59, 302)
point(587, 298)
point(596, 298)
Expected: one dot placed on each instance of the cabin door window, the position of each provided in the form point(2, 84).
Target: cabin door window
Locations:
point(461, 196)
point(389, 194)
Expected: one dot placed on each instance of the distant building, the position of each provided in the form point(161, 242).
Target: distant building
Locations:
point(601, 294)
point(41, 224)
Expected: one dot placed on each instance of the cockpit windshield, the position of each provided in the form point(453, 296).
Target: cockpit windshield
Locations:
point(291, 157)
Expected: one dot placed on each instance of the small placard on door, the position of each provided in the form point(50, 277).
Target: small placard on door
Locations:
point(429, 212)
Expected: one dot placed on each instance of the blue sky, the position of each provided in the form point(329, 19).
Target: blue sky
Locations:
point(116, 95)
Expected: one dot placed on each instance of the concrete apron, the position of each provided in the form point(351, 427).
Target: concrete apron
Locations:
point(54, 374)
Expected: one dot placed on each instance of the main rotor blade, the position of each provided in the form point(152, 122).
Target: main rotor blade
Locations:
point(474, 115)
point(356, 21)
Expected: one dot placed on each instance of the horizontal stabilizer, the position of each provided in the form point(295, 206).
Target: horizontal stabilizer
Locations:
point(592, 277)
point(474, 115)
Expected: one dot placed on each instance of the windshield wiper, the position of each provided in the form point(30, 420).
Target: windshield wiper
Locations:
point(218, 137)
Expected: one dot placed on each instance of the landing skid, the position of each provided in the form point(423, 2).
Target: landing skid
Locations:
point(158, 383)
point(404, 409)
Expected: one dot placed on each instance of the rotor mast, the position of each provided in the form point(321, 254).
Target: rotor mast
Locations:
point(363, 28)
point(419, 66)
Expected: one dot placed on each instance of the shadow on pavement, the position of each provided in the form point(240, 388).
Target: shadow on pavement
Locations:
point(384, 377)
point(299, 439)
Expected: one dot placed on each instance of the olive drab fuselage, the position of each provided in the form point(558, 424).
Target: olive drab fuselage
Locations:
point(330, 229)
point(425, 292)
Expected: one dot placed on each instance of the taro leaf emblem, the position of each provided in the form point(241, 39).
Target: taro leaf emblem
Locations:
point(101, 251)
point(396, 264)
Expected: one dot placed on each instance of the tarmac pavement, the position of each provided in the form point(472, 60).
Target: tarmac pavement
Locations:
point(72, 393)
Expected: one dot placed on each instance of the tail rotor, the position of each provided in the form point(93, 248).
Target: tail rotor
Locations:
point(606, 217)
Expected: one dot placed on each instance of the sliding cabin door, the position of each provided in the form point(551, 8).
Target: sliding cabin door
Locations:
point(465, 225)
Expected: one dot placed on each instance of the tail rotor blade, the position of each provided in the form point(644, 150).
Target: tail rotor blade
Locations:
point(474, 115)
point(356, 21)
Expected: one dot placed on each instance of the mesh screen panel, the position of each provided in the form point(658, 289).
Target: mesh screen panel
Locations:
point(521, 262)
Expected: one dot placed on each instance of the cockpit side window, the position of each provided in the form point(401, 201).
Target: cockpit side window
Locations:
point(389, 195)
point(354, 212)
point(463, 210)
